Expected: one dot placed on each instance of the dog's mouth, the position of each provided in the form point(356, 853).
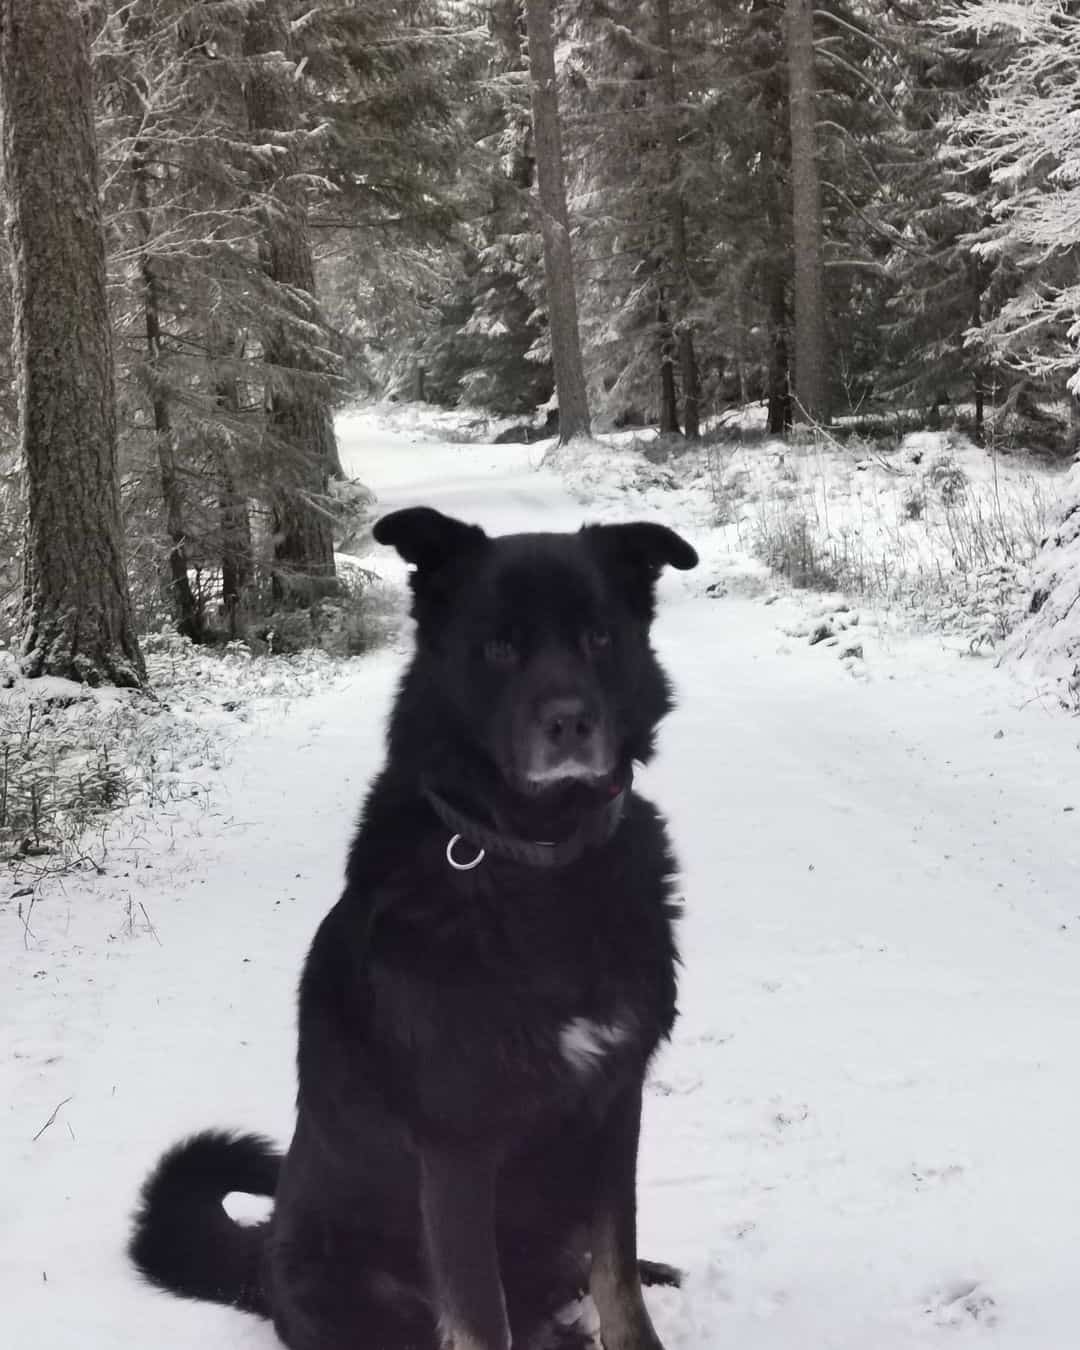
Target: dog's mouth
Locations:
point(563, 753)
point(558, 777)
point(573, 782)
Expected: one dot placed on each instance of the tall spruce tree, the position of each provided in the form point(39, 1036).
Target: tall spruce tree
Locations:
point(940, 288)
point(1019, 147)
point(811, 352)
point(300, 421)
point(191, 191)
point(561, 291)
point(78, 621)
point(637, 92)
point(680, 283)
point(489, 345)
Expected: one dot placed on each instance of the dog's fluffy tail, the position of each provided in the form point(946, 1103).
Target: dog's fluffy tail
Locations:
point(185, 1241)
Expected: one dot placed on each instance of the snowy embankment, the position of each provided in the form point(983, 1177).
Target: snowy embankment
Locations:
point(1048, 640)
point(864, 1132)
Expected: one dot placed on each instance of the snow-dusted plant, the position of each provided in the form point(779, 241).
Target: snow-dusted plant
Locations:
point(1025, 138)
point(1027, 135)
point(71, 756)
point(1050, 637)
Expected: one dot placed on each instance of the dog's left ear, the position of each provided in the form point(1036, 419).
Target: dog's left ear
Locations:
point(646, 545)
point(639, 552)
point(426, 538)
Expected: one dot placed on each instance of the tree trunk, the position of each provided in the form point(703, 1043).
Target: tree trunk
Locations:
point(555, 225)
point(189, 617)
point(738, 310)
point(691, 383)
point(235, 548)
point(234, 519)
point(300, 421)
point(976, 272)
point(235, 524)
point(669, 402)
point(681, 291)
point(506, 23)
point(77, 609)
point(779, 413)
point(811, 357)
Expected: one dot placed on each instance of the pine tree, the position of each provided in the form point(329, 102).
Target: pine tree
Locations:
point(78, 621)
point(1024, 136)
point(187, 285)
point(634, 87)
point(750, 127)
point(681, 286)
point(1021, 139)
point(247, 365)
point(489, 346)
point(300, 420)
point(574, 417)
point(135, 98)
point(940, 289)
point(811, 355)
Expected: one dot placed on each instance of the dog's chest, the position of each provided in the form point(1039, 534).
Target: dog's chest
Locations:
point(584, 1044)
point(587, 978)
point(502, 993)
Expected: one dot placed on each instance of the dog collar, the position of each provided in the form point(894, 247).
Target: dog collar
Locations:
point(597, 828)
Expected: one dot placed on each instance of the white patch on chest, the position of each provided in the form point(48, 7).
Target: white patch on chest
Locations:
point(584, 1043)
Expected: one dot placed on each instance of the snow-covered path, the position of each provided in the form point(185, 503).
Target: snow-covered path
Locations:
point(864, 1135)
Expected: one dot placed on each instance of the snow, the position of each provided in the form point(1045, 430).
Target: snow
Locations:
point(864, 1132)
point(1048, 640)
point(72, 754)
point(936, 533)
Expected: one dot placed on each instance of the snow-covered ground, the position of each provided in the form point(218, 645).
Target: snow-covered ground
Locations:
point(864, 1134)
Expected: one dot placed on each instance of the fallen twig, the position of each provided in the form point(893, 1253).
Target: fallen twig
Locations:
point(56, 1112)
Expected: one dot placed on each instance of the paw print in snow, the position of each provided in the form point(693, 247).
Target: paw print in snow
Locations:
point(959, 1303)
point(675, 1085)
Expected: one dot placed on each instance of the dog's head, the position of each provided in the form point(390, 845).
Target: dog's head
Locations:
point(536, 646)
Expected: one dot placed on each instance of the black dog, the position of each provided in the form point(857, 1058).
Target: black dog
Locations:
point(478, 1010)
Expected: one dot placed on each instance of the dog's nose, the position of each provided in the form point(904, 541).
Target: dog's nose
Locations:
point(567, 723)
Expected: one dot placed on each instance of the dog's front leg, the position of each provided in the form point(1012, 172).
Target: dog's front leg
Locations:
point(614, 1279)
point(457, 1200)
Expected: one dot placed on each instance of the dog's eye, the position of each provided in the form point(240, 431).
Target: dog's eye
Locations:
point(596, 640)
point(500, 653)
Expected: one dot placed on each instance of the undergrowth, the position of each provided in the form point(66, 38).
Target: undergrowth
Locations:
point(953, 548)
point(70, 757)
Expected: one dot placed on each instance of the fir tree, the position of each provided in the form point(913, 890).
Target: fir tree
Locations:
point(77, 614)
point(560, 284)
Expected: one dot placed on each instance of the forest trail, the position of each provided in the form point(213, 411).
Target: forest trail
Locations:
point(864, 1134)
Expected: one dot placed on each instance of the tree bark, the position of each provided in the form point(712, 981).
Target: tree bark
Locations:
point(691, 383)
point(77, 610)
point(574, 417)
point(235, 546)
point(779, 411)
point(738, 311)
point(235, 525)
point(300, 420)
point(234, 518)
point(976, 283)
point(811, 356)
point(669, 400)
point(188, 614)
point(691, 387)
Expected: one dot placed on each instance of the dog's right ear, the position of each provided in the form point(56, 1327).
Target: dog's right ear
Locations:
point(426, 538)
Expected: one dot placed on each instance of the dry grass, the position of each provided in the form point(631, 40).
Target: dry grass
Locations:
point(953, 548)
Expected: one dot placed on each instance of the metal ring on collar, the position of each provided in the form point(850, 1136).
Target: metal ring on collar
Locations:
point(463, 866)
